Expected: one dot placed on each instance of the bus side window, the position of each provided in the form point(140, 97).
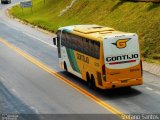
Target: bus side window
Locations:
point(97, 50)
point(91, 48)
point(86, 46)
point(78, 45)
point(70, 41)
point(63, 39)
point(81, 44)
point(74, 42)
point(68, 44)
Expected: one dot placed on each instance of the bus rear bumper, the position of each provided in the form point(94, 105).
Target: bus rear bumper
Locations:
point(125, 83)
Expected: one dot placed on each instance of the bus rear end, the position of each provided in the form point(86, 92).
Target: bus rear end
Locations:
point(122, 61)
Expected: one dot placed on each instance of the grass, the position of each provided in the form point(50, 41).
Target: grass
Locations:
point(139, 17)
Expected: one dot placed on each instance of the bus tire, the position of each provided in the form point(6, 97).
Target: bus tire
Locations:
point(87, 78)
point(91, 82)
point(65, 67)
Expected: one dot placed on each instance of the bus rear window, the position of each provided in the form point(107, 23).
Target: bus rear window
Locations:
point(80, 44)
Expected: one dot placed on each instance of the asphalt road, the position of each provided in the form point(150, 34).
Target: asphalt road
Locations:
point(29, 89)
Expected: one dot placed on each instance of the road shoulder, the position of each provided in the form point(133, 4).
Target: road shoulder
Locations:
point(151, 67)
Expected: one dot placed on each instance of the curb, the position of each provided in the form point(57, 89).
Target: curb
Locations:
point(151, 67)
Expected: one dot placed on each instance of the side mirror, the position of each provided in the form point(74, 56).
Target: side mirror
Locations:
point(55, 41)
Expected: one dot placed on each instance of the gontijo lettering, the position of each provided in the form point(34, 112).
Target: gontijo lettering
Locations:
point(122, 57)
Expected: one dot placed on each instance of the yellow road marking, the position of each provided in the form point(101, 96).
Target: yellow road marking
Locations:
point(73, 85)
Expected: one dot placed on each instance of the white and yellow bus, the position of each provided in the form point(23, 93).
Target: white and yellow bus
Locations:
point(103, 57)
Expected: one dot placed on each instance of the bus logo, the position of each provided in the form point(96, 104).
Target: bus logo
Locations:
point(121, 43)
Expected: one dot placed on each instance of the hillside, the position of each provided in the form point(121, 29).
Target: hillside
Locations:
point(139, 17)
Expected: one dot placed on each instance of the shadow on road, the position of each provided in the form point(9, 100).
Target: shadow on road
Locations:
point(105, 94)
point(119, 93)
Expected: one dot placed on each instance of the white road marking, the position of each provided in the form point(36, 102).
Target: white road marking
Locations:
point(10, 26)
point(39, 40)
point(13, 27)
point(33, 108)
point(148, 88)
point(13, 90)
point(1, 78)
point(157, 92)
point(31, 36)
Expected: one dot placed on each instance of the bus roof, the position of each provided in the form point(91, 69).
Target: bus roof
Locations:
point(96, 32)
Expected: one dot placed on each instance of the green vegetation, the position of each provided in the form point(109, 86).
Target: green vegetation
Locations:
point(139, 17)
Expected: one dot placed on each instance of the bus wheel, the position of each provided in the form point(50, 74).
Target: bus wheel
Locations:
point(91, 83)
point(65, 67)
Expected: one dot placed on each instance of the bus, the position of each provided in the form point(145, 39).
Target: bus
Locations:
point(101, 56)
